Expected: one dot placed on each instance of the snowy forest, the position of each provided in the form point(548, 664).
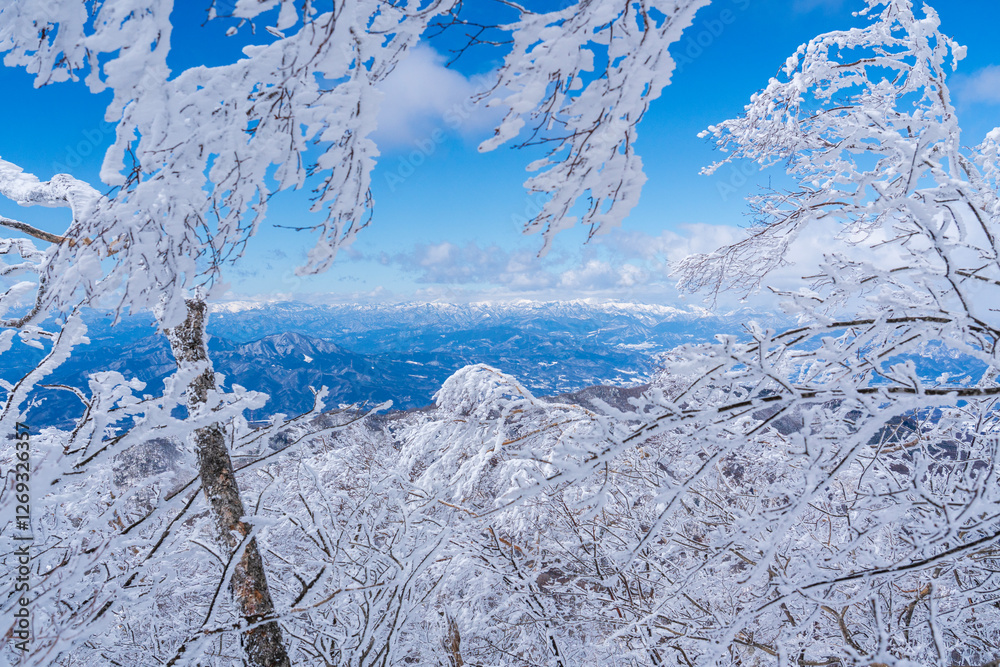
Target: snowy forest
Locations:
point(814, 493)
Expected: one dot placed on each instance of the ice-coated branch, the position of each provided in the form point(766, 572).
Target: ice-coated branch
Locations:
point(25, 228)
point(199, 152)
point(579, 80)
point(893, 452)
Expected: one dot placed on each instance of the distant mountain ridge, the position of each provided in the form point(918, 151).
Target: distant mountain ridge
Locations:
point(398, 352)
point(250, 320)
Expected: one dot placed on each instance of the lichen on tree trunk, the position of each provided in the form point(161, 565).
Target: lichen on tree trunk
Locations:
point(263, 643)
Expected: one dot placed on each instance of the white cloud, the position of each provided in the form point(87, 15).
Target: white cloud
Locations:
point(448, 264)
point(424, 101)
point(643, 262)
point(629, 263)
point(980, 87)
point(669, 246)
point(622, 265)
point(599, 275)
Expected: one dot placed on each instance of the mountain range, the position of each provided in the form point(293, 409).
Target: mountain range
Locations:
point(398, 352)
point(404, 352)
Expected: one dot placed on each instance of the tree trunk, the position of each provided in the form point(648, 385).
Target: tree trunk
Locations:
point(263, 644)
point(453, 644)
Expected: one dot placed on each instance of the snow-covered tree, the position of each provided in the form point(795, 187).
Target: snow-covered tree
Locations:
point(880, 544)
point(197, 155)
point(821, 495)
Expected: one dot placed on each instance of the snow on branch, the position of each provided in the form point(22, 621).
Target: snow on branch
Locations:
point(198, 153)
point(579, 80)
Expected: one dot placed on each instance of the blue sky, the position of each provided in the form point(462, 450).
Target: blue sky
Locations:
point(446, 223)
